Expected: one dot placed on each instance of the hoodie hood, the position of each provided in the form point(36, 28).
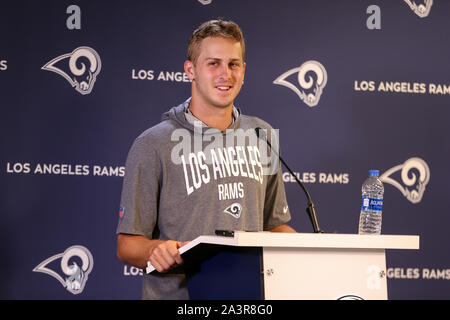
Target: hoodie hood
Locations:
point(178, 114)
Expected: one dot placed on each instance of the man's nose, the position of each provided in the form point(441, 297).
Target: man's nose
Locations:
point(225, 71)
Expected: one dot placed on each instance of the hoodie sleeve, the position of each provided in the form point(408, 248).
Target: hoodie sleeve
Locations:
point(139, 199)
point(276, 210)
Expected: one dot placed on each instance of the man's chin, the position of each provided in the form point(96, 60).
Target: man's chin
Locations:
point(221, 104)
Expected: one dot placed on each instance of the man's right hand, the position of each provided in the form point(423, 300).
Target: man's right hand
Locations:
point(165, 255)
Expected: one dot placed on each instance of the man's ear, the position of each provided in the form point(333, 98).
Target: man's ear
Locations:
point(189, 69)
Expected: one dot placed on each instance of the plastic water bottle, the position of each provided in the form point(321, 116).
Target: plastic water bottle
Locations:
point(371, 204)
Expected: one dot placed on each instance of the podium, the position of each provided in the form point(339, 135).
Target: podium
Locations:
point(289, 266)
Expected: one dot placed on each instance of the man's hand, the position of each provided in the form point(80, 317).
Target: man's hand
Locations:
point(283, 228)
point(165, 255)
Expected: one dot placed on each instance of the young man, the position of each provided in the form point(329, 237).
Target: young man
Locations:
point(201, 169)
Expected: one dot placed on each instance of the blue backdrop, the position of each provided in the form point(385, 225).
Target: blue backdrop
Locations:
point(379, 99)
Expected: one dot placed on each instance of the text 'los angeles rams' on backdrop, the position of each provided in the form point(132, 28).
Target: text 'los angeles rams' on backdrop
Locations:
point(349, 85)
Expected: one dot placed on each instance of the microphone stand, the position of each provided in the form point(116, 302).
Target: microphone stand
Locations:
point(311, 209)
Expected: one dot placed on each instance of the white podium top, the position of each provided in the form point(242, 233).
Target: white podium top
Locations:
point(306, 240)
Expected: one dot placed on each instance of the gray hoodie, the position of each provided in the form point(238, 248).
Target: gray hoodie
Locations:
point(184, 179)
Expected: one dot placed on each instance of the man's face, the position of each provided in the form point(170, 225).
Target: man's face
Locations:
point(218, 73)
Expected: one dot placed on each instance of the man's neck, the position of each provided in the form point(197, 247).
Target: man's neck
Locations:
point(213, 117)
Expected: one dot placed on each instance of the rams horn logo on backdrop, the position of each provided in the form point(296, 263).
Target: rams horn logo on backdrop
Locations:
point(80, 68)
point(422, 10)
point(413, 186)
point(77, 276)
point(310, 89)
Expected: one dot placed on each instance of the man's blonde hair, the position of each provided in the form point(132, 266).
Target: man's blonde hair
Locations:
point(214, 28)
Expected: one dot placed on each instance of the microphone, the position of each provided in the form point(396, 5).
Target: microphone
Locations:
point(311, 209)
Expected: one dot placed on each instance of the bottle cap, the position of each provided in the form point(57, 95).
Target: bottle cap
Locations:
point(374, 173)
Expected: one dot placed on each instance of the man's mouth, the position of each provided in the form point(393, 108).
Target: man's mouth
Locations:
point(224, 88)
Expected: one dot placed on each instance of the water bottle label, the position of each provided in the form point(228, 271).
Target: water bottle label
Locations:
point(372, 204)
